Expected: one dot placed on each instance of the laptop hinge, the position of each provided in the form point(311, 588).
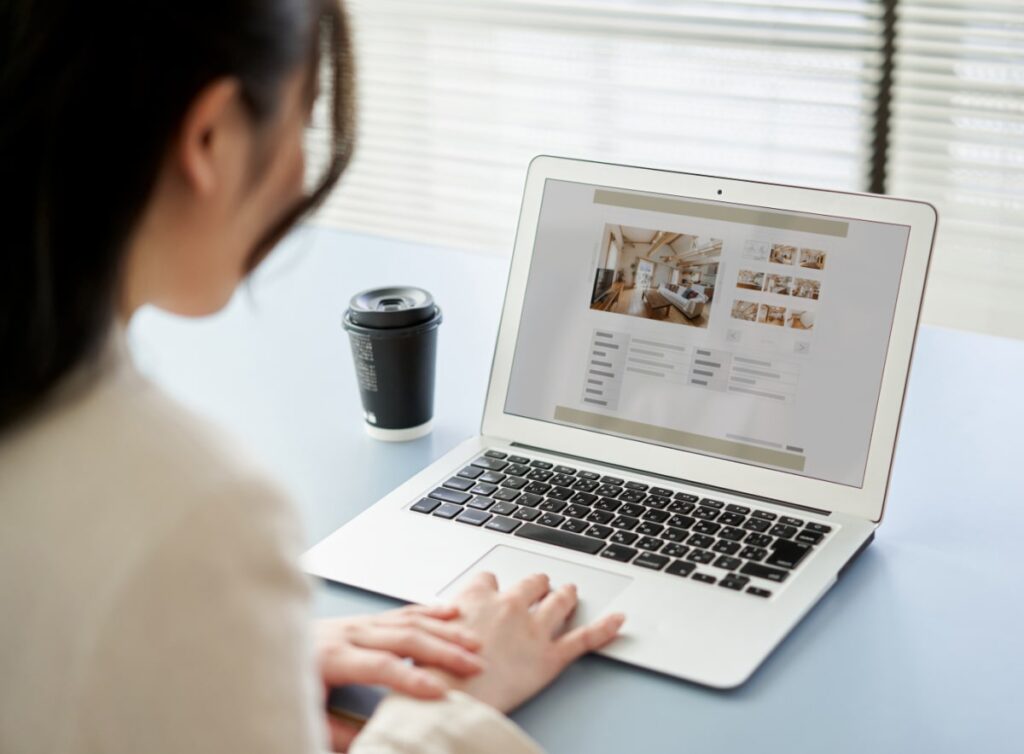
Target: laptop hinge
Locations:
point(678, 480)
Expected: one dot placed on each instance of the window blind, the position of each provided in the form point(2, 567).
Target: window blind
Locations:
point(957, 140)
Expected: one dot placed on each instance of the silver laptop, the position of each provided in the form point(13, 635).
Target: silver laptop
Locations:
point(692, 412)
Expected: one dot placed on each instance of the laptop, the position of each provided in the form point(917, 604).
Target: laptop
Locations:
point(692, 412)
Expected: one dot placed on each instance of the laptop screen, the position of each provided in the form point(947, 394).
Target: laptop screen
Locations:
point(739, 332)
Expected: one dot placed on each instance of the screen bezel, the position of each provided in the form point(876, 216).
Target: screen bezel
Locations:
point(867, 501)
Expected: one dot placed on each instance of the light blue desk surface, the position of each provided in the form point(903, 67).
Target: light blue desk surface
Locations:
point(920, 648)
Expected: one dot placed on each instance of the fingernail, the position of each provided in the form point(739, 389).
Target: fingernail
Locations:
point(617, 619)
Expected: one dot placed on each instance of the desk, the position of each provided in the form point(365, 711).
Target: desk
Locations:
point(920, 648)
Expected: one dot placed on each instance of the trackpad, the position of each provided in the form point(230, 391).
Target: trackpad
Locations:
point(596, 588)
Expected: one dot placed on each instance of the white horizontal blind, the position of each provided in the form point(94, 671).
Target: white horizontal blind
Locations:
point(958, 141)
point(456, 96)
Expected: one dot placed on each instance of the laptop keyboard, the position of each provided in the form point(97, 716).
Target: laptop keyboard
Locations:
point(661, 529)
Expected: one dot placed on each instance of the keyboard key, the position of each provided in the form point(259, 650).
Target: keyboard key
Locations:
point(551, 519)
point(650, 560)
point(471, 472)
point(765, 515)
point(733, 534)
point(649, 528)
point(600, 517)
point(707, 514)
point(593, 476)
point(552, 506)
point(756, 524)
point(492, 464)
point(529, 498)
point(585, 485)
point(560, 538)
point(729, 564)
point(608, 490)
point(686, 497)
point(496, 454)
point(726, 547)
point(649, 543)
point(706, 527)
point(758, 540)
point(810, 537)
point(712, 503)
point(660, 491)
point(450, 496)
point(514, 483)
point(577, 511)
point(607, 504)
point(612, 480)
point(654, 501)
point(562, 480)
point(602, 532)
point(703, 578)
point(519, 459)
point(638, 486)
point(741, 509)
point(539, 475)
point(678, 506)
point(506, 494)
point(680, 568)
point(480, 502)
point(658, 517)
point(674, 550)
point(787, 554)
point(622, 537)
point(565, 470)
point(483, 489)
point(632, 496)
point(620, 553)
point(732, 581)
point(781, 530)
point(583, 498)
point(474, 517)
point(680, 521)
point(758, 592)
point(789, 522)
point(492, 477)
point(821, 528)
point(674, 535)
point(503, 509)
point(526, 514)
point(700, 556)
point(753, 553)
point(560, 493)
point(502, 524)
point(517, 469)
point(731, 519)
point(625, 522)
point(537, 488)
point(764, 572)
point(700, 540)
point(426, 505)
point(448, 510)
point(540, 464)
point(575, 525)
point(632, 509)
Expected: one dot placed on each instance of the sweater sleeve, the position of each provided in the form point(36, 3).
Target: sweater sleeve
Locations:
point(458, 724)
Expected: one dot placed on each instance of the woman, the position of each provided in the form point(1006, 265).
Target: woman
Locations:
point(151, 596)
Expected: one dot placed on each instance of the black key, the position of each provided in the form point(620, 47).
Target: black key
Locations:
point(729, 564)
point(625, 522)
point(742, 509)
point(502, 524)
point(506, 494)
point(584, 485)
point(656, 501)
point(608, 490)
point(559, 537)
point(584, 498)
point(677, 506)
point(565, 470)
point(787, 554)
point(686, 497)
point(620, 553)
point(638, 486)
point(577, 511)
point(450, 496)
point(611, 480)
point(449, 510)
point(811, 537)
point(658, 517)
point(483, 489)
point(680, 568)
point(700, 556)
point(514, 483)
point(758, 592)
point(480, 503)
point(650, 560)
point(631, 509)
point(530, 499)
point(706, 527)
point(712, 503)
point(732, 534)
point(765, 515)
point(781, 530)
point(607, 504)
point(704, 578)
point(602, 532)
point(519, 459)
point(674, 550)
point(700, 540)
point(526, 514)
point(753, 553)
point(575, 525)
point(474, 518)
point(708, 514)
point(764, 572)
point(726, 547)
point(426, 505)
point(503, 509)
point(623, 537)
point(588, 475)
point(756, 524)
point(681, 522)
point(492, 464)
point(492, 477)
point(540, 464)
point(560, 493)
point(552, 506)
point(471, 472)
point(662, 492)
point(649, 528)
point(537, 488)
point(649, 543)
point(600, 517)
point(632, 496)
point(496, 454)
point(539, 475)
point(674, 535)
point(758, 540)
point(788, 522)
point(731, 519)
point(812, 526)
point(732, 581)
point(459, 483)
point(517, 469)
point(551, 519)
point(562, 480)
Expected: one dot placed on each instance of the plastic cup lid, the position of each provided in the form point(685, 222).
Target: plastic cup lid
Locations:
point(395, 306)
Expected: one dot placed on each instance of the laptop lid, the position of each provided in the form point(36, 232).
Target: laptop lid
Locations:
point(744, 335)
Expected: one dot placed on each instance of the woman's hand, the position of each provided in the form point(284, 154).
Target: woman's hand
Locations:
point(518, 630)
point(372, 650)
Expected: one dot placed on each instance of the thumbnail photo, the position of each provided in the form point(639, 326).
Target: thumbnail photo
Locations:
point(756, 251)
point(812, 259)
point(772, 315)
point(782, 254)
point(780, 284)
point(807, 288)
point(665, 275)
point(751, 280)
point(800, 320)
point(745, 310)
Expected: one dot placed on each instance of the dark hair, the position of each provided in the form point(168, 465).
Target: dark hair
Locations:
point(91, 95)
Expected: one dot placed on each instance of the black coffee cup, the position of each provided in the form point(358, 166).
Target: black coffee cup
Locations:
point(393, 333)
